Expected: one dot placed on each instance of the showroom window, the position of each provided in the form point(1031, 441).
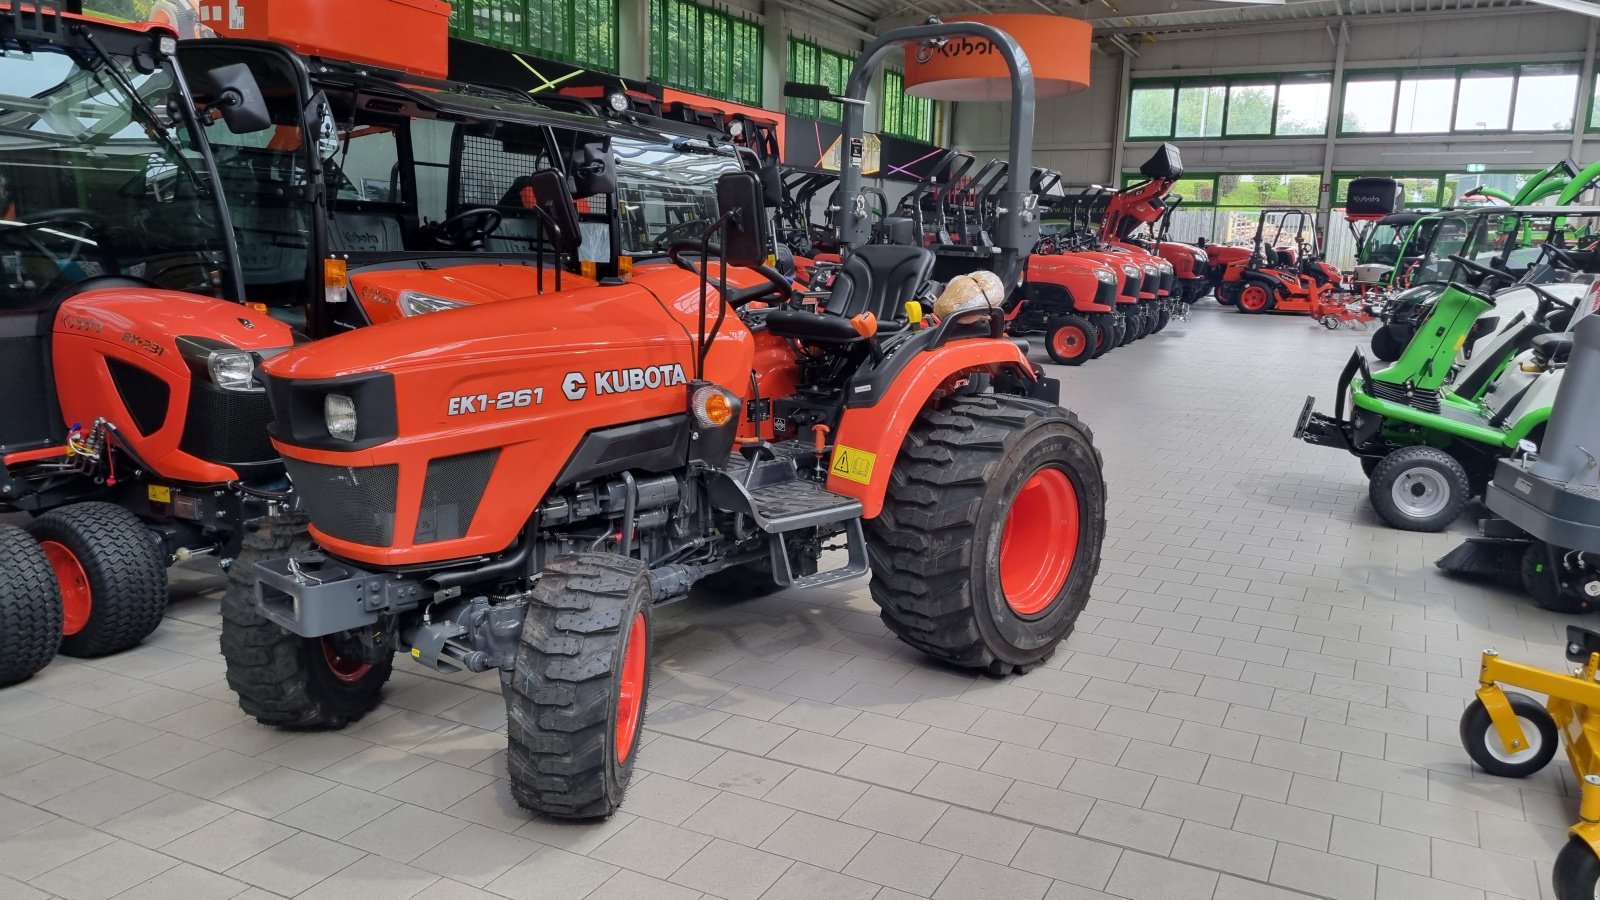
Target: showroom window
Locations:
point(1480, 99)
point(1243, 106)
point(913, 118)
point(583, 32)
point(811, 64)
point(704, 50)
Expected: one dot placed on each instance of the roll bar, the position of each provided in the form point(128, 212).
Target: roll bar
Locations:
point(1016, 211)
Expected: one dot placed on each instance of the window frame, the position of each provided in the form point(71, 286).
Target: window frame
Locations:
point(744, 87)
point(802, 50)
point(1396, 76)
point(903, 109)
point(463, 18)
point(1227, 83)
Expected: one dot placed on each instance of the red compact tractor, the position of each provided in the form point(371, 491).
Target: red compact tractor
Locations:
point(1283, 278)
point(151, 263)
point(515, 488)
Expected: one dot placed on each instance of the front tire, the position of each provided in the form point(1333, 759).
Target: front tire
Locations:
point(1387, 343)
point(1255, 298)
point(112, 575)
point(281, 678)
point(1576, 875)
point(990, 534)
point(577, 699)
point(1106, 334)
point(30, 607)
point(1072, 340)
point(1419, 489)
point(1483, 744)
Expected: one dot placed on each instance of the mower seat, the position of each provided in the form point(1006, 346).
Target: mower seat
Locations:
point(1553, 348)
point(365, 232)
point(877, 279)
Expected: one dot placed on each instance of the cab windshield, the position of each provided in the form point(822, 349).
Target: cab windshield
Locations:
point(665, 193)
point(93, 184)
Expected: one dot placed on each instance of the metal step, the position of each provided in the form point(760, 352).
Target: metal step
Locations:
point(854, 567)
point(792, 505)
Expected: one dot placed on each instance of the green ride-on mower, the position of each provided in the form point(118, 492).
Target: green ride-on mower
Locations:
point(1428, 433)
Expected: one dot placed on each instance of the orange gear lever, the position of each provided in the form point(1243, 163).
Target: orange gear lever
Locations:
point(865, 324)
point(819, 435)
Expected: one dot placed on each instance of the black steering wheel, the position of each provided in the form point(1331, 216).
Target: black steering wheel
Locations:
point(1488, 273)
point(467, 229)
point(778, 288)
point(1563, 255)
point(682, 232)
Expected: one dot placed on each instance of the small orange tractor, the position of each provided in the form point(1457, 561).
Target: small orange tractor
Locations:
point(514, 488)
point(1278, 277)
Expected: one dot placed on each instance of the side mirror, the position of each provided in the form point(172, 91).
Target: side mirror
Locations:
point(232, 91)
point(553, 200)
point(594, 170)
point(739, 197)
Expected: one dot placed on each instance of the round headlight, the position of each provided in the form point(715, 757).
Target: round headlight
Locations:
point(340, 414)
point(618, 101)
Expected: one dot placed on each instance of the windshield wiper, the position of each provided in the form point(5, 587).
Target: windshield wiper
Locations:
point(152, 122)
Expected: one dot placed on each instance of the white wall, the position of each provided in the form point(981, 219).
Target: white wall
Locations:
point(1077, 134)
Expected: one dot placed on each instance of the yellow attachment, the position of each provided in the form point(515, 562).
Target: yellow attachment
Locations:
point(914, 312)
point(1503, 718)
point(1589, 833)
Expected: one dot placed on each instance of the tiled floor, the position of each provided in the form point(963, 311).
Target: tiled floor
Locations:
point(1261, 700)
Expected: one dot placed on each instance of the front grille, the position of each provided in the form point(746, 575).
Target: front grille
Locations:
point(451, 493)
point(351, 503)
point(1167, 281)
point(1130, 285)
point(1106, 294)
point(1424, 400)
point(228, 427)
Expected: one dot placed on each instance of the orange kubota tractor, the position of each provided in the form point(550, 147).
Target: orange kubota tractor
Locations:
point(516, 488)
point(149, 264)
point(1282, 277)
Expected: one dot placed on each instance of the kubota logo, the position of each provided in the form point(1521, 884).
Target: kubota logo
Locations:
point(622, 381)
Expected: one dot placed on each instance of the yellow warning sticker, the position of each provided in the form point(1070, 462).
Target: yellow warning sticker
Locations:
point(856, 465)
point(159, 493)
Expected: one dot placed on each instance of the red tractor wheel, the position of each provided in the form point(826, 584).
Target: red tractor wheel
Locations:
point(1255, 298)
point(111, 573)
point(1071, 340)
point(578, 692)
point(284, 679)
point(990, 535)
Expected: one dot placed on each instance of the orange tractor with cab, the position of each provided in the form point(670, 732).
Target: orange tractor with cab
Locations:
point(516, 488)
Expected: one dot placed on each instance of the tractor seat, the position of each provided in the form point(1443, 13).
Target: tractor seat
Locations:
point(876, 278)
point(1553, 348)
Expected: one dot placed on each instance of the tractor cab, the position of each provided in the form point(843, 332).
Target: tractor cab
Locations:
point(373, 195)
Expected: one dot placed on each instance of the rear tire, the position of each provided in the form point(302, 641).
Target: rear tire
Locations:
point(281, 678)
point(1544, 586)
point(111, 573)
point(577, 699)
point(1419, 489)
point(1483, 744)
point(1105, 334)
point(30, 607)
point(948, 574)
point(1576, 875)
point(1071, 340)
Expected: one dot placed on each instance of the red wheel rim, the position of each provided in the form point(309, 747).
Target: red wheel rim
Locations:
point(1039, 542)
point(630, 689)
point(77, 600)
point(1069, 341)
point(345, 668)
point(1254, 297)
